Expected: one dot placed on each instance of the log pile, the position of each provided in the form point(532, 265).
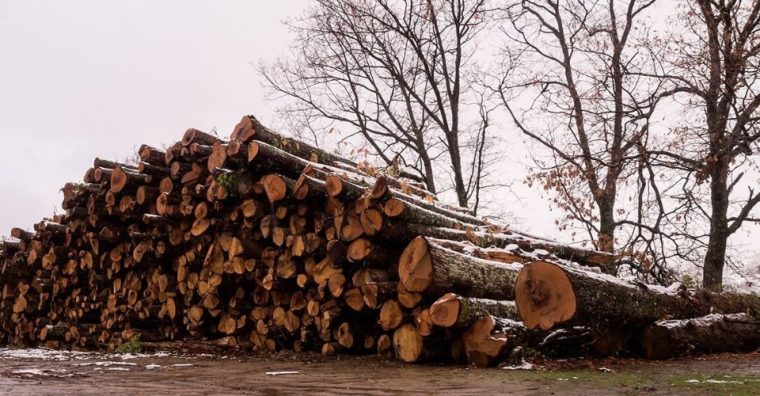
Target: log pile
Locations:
point(268, 243)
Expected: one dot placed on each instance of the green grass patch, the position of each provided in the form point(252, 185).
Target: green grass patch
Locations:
point(131, 346)
point(636, 381)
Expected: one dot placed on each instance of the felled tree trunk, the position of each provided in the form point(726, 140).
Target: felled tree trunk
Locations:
point(585, 257)
point(548, 294)
point(708, 334)
point(430, 268)
point(452, 310)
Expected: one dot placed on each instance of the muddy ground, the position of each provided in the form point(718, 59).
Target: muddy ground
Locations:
point(24, 371)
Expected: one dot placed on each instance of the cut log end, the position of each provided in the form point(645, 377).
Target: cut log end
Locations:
point(445, 310)
point(244, 130)
point(544, 295)
point(217, 158)
point(415, 266)
point(334, 185)
point(407, 343)
point(253, 151)
point(481, 347)
point(118, 179)
point(393, 207)
point(275, 187)
point(380, 187)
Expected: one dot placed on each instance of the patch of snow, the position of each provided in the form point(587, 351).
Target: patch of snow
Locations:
point(276, 373)
point(43, 354)
point(712, 381)
point(182, 365)
point(512, 247)
point(523, 366)
point(605, 370)
point(693, 381)
point(30, 372)
point(106, 364)
point(152, 366)
point(129, 356)
point(672, 290)
point(117, 369)
point(703, 321)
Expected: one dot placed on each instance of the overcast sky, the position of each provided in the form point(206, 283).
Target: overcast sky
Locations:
point(80, 79)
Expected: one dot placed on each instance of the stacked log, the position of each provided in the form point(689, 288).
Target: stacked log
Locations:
point(266, 243)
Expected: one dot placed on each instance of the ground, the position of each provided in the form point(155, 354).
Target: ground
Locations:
point(25, 371)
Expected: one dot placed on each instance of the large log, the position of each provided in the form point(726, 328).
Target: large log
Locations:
point(708, 334)
point(548, 294)
point(427, 267)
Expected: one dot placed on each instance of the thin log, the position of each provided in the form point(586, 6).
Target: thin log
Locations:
point(452, 310)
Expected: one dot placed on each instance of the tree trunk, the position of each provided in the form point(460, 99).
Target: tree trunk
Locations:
point(456, 165)
point(430, 268)
point(712, 275)
point(586, 257)
point(708, 334)
point(606, 237)
point(452, 310)
point(429, 175)
point(548, 294)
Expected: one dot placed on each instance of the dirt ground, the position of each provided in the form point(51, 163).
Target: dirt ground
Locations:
point(39, 372)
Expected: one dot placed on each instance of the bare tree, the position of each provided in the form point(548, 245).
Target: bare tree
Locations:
point(576, 61)
point(711, 63)
point(399, 75)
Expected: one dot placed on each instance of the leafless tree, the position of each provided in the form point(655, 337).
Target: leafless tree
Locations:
point(574, 63)
point(400, 75)
point(711, 62)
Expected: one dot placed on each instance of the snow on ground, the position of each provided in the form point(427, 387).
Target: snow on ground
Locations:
point(74, 363)
point(54, 354)
point(522, 366)
point(44, 354)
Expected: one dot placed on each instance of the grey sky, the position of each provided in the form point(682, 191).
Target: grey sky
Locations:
point(80, 79)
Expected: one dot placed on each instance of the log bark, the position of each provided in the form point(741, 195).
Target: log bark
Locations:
point(713, 333)
point(195, 136)
point(585, 257)
point(432, 269)
point(548, 294)
point(452, 310)
point(250, 128)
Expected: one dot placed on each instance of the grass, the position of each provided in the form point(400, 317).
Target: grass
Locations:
point(131, 346)
point(636, 381)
